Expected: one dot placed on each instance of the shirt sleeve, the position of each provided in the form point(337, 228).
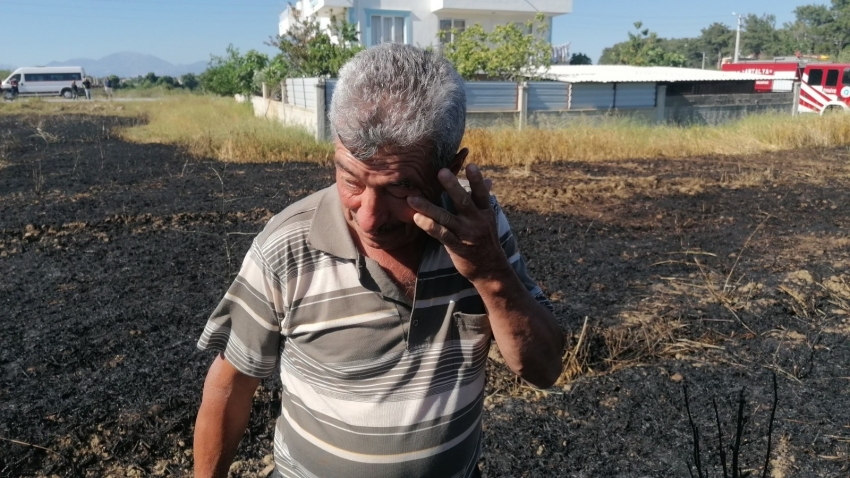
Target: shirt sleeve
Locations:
point(509, 245)
point(246, 323)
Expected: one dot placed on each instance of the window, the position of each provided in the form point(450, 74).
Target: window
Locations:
point(387, 29)
point(52, 76)
point(449, 29)
point(832, 78)
point(846, 80)
point(815, 77)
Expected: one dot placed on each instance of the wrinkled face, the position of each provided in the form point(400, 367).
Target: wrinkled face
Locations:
point(374, 193)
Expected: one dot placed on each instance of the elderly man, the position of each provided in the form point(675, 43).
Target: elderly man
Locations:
point(379, 296)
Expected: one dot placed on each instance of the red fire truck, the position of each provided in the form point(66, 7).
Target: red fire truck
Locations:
point(823, 86)
point(784, 72)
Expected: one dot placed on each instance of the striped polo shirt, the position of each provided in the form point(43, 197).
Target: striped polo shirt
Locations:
point(374, 385)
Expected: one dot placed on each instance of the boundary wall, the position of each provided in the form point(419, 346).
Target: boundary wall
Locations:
point(304, 102)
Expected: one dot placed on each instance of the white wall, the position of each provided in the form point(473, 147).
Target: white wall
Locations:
point(422, 25)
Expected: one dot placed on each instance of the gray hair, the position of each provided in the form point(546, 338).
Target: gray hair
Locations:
point(399, 95)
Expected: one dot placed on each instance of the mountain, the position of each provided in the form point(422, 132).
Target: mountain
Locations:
point(129, 64)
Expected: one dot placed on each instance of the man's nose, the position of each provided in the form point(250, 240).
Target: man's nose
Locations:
point(372, 214)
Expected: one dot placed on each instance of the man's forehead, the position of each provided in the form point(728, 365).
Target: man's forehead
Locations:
point(386, 155)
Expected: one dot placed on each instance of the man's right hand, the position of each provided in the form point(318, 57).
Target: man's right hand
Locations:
point(222, 418)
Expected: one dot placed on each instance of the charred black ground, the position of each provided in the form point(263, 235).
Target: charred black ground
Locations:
point(716, 272)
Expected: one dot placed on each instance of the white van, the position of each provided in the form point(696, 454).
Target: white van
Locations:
point(46, 80)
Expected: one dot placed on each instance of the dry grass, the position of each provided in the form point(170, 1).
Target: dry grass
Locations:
point(204, 126)
point(626, 139)
point(220, 128)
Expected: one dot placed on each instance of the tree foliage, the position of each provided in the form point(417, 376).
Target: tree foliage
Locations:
point(308, 50)
point(233, 73)
point(817, 30)
point(580, 59)
point(509, 52)
point(643, 48)
point(190, 81)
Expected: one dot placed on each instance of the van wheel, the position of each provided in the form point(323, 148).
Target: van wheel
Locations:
point(66, 93)
point(830, 110)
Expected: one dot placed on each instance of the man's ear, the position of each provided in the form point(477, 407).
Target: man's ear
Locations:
point(457, 163)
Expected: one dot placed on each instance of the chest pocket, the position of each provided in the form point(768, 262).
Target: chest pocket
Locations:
point(473, 326)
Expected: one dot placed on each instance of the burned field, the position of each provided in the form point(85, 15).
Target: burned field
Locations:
point(715, 273)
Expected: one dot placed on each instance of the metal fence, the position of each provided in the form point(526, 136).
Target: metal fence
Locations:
point(548, 104)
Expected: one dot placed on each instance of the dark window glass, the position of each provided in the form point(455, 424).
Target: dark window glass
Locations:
point(832, 78)
point(53, 76)
point(816, 77)
point(846, 80)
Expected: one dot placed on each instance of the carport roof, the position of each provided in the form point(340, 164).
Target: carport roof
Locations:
point(642, 74)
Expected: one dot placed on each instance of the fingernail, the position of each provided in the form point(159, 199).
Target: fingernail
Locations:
point(473, 169)
point(413, 200)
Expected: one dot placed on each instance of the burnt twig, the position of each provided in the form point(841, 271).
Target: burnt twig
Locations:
point(720, 439)
point(695, 431)
point(739, 431)
point(770, 428)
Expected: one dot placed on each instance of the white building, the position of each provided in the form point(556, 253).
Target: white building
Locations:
point(419, 22)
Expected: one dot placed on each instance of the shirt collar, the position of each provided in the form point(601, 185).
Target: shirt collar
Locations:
point(329, 231)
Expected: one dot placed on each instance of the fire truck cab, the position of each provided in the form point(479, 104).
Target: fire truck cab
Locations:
point(825, 87)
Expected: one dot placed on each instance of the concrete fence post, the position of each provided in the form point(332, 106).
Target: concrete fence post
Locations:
point(321, 111)
point(265, 90)
point(795, 98)
point(661, 104)
point(522, 104)
point(283, 98)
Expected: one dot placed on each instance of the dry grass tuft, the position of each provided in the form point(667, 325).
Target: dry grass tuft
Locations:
point(629, 139)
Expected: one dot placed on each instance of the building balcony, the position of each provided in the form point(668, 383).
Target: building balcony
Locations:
point(546, 7)
point(320, 7)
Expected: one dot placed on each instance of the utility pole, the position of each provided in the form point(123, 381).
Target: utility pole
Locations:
point(703, 60)
point(738, 38)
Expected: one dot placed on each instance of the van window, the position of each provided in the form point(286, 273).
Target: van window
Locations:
point(846, 80)
point(52, 76)
point(832, 78)
point(816, 77)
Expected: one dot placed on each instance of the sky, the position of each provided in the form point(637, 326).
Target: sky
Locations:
point(35, 32)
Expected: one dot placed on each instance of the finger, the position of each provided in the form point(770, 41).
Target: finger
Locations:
point(480, 193)
point(432, 211)
point(435, 230)
point(461, 199)
point(489, 183)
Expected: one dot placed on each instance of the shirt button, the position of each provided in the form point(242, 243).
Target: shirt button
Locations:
point(415, 323)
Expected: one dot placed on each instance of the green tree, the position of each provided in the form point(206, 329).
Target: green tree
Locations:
point(580, 59)
point(166, 81)
point(760, 37)
point(718, 40)
point(643, 48)
point(233, 73)
point(307, 49)
point(190, 81)
point(510, 52)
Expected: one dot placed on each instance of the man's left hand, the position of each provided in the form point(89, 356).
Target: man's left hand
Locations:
point(470, 236)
